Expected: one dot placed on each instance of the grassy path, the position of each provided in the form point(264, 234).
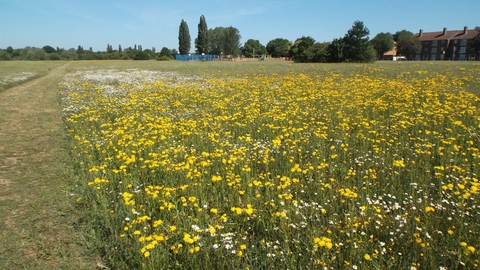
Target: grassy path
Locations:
point(37, 224)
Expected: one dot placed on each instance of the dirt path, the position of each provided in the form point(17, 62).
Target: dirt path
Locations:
point(37, 226)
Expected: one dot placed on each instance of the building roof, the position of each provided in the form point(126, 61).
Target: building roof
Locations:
point(447, 35)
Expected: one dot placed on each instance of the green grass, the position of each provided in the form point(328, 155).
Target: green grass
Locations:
point(45, 227)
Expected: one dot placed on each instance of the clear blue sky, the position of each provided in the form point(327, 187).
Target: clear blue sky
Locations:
point(154, 23)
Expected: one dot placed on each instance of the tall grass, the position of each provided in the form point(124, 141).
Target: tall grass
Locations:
point(281, 166)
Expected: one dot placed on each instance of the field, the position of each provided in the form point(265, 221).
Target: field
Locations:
point(274, 165)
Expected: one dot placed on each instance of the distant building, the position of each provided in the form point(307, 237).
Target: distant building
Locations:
point(448, 45)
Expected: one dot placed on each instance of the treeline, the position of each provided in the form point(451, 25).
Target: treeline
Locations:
point(354, 46)
point(49, 53)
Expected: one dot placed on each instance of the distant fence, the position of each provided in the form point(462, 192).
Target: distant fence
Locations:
point(196, 57)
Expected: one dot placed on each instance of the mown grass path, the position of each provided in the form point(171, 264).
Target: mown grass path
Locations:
point(37, 223)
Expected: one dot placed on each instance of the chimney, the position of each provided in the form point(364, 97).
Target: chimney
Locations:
point(420, 33)
point(465, 30)
point(444, 31)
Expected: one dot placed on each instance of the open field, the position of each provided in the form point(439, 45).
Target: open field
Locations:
point(260, 165)
point(14, 73)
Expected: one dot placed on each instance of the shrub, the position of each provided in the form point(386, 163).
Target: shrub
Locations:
point(163, 58)
point(53, 56)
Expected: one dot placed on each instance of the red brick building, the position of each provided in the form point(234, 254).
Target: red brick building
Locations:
point(448, 45)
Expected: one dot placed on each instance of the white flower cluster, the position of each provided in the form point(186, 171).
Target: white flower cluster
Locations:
point(15, 78)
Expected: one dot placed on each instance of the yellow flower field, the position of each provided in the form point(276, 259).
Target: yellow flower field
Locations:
point(260, 171)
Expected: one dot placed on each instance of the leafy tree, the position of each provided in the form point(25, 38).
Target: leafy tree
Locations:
point(184, 40)
point(382, 42)
point(407, 43)
point(279, 47)
point(80, 49)
point(150, 53)
point(231, 41)
point(4, 55)
point(253, 48)
point(53, 56)
point(300, 46)
point(120, 48)
point(32, 53)
point(165, 52)
point(318, 52)
point(10, 50)
point(70, 54)
point(109, 48)
point(201, 42)
point(336, 51)
point(215, 37)
point(48, 49)
point(476, 39)
point(141, 55)
point(356, 44)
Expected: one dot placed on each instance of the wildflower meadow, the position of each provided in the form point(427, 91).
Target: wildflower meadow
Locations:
point(262, 170)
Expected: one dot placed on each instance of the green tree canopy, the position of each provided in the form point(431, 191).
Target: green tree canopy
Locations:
point(253, 48)
point(336, 51)
point(356, 44)
point(231, 41)
point(184, 40)
point(215, 37)
point(279, 47)
point(166, 52)
point(201, 42)
point(382, 42)
point(318, 52)
point(476, 39)
point(49, 49)
point(300, 46)
point(407, 43)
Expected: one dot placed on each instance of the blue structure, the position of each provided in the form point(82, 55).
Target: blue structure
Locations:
point(196, 57)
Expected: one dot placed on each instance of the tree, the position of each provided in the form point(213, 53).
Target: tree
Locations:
point(318, 53)
point(407, 43)
point(201, 42)
point(300, 46)
point(184, 41)
point(48, 49)
point(382, 42)
point(53, 56)
point(4, 55)
point(120, 48)
point(231, 41)
point(10, 50)
point(215, 37)
point(71, 53)
point(279, 47)
point(356, 44)
point(336, 51)
point(165, 52)
point(476, 39)
point(253, 48)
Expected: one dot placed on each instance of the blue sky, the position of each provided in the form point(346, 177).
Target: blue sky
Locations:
point(155, 23)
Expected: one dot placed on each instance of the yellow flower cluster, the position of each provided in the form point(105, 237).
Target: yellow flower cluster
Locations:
point(202, 168)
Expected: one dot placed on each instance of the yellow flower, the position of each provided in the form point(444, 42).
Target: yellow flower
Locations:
point(367, 257)
point(429, 209)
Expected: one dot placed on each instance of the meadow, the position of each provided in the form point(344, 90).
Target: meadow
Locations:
point(14, 73)
point(274, 165)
